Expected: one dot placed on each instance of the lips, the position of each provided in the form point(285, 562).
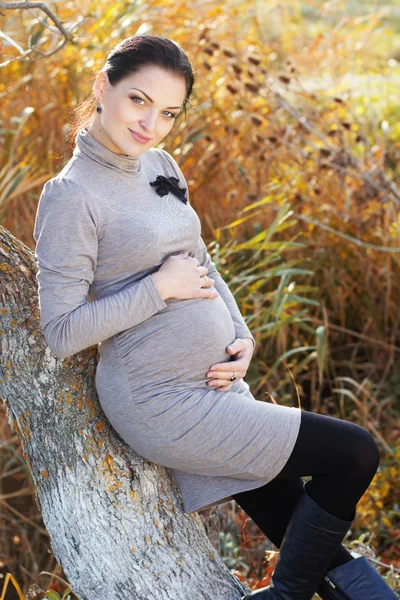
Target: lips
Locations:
point(140, 138)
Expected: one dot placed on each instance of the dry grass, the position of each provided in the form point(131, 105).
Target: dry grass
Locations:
point(293, 176)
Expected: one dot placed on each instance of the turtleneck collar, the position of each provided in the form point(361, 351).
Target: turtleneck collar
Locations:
point(86, 145)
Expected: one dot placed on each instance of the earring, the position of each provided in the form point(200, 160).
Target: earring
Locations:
point(99, 109)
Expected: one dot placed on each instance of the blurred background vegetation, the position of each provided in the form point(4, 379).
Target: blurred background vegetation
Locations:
point(291, 152)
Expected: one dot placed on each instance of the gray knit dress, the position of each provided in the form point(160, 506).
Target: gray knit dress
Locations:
point(101, 230)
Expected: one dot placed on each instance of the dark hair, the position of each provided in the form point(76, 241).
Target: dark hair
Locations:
point(128, 57)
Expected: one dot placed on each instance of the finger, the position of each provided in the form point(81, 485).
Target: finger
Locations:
point(216, 382)
point(224, 377)
point(222, 381)
point(207, 281)
point(238, 366)
point(219, 382)
point(225, 388)
point(240, 346)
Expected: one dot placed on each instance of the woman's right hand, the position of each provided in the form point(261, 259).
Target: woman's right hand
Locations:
point(181, 276)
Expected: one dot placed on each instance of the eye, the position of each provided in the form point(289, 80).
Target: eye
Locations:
point(136, 98)
point(173, 115)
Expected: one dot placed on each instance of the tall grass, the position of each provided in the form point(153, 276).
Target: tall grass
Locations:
point(290, 150)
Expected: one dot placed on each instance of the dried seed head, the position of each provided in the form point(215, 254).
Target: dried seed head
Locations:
point(284, 79)
point(254, 61)
point(208, 51)
point(256, 120)
point(238, 70)
point(273, 139)
point(324, 152)
point(227, 53)
point(207, 65)
point(251, 87)
point(215, 45)
point(203, 34)
point(346, 125)
point(338, 100)
point(231, 89)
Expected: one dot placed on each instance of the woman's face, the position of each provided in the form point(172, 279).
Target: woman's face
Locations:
point(146, 103)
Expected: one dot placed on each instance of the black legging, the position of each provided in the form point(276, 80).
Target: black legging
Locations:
point(342, 459)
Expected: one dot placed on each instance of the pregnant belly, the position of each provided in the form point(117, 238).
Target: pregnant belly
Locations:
point(177, 345)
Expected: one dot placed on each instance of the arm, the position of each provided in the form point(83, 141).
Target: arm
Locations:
point(66, 253)
point(241, 329)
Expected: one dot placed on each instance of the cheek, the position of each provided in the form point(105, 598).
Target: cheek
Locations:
point(119, 112)
point(165, 126)
point(125, 113)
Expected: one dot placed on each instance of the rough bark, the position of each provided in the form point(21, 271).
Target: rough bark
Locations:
point(115, 520)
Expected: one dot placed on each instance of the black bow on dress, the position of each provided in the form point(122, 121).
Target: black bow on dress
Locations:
point(164, 185)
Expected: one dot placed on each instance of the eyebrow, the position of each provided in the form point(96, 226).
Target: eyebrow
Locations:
point(148, 97)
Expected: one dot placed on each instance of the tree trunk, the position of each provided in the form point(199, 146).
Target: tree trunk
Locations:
point(115, 520)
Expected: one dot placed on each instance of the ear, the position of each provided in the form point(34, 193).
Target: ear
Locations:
point(100, 85)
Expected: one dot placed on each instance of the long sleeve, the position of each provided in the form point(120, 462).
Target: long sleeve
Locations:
point(204, 258)
point(241, 329)
point(66, 235)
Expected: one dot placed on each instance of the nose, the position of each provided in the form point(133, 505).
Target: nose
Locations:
point(148, 122)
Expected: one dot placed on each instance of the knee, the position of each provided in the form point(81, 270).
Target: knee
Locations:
point(365, 455)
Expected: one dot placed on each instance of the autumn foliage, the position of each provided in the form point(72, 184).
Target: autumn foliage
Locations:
point(291, 150)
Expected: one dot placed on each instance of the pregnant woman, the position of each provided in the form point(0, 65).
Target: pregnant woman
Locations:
point(122, 264)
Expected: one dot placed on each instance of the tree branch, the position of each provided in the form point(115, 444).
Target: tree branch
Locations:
point(25, 4)
point(58, 28)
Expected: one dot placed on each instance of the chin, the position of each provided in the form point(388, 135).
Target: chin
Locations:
point(124, 148)
point(134, 148)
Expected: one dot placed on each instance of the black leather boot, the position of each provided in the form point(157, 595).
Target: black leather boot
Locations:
point(355, 580)
point(310, 541)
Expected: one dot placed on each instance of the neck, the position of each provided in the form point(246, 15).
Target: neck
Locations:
point(93, 148)
point(97, 131)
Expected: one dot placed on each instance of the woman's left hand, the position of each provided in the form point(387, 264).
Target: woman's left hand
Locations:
point(220, 373)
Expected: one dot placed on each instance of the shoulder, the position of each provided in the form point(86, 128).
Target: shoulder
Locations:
point(61, 185)
point(63, 190)
point(160, 155)
point(63, 198)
